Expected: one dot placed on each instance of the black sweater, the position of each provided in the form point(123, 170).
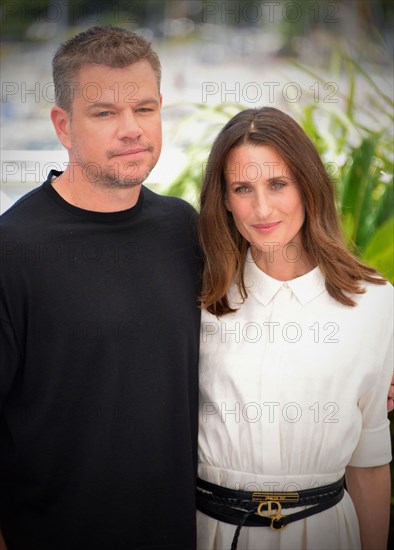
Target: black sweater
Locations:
point(98, 374)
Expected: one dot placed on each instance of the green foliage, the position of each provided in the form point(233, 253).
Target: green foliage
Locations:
point(358, 156)
point(204, 123)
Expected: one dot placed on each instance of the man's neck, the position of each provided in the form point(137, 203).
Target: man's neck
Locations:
point(89, 195)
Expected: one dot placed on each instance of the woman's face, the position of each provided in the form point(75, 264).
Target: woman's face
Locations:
point(265, 201)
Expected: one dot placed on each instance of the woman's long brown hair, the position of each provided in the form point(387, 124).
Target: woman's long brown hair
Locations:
point(225, 248)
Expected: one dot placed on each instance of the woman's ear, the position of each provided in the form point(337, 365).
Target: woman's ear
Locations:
point(226, 204)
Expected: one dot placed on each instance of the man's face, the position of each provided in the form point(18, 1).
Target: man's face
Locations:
point(115, 125)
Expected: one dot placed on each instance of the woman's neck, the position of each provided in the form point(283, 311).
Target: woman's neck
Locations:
point(283, 265)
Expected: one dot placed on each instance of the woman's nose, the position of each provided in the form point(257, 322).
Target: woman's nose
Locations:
point(263, 205)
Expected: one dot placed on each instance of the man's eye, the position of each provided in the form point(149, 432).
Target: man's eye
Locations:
point(144, 110)
point(103, 114)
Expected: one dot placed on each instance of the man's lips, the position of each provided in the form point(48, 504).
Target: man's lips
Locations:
point(133, 151)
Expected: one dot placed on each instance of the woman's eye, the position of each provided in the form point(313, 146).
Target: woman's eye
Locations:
point(278, 185)
point(241, 189)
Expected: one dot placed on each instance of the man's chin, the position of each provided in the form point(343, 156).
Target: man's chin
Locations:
point(130, 175)
point(126, 179)
point(120, 181)
point(121, 184)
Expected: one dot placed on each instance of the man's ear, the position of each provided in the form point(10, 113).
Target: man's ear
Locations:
point(61, 122)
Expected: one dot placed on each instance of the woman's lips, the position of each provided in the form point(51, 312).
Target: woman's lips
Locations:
point(266, 227)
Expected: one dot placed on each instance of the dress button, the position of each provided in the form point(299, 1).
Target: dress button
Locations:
point(285, 285)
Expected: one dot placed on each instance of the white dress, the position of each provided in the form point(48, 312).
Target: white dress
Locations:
point(293, 388)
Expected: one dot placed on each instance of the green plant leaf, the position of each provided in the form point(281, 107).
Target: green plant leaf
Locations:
point(384, 209)
point(380, 250)
point(358, 186)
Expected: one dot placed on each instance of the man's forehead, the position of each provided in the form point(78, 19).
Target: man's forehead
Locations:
point(95, 83)
point(107, 72)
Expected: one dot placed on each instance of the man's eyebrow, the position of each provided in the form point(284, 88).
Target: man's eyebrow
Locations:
point(149, 100)
point(112, 105)
point(100, 105)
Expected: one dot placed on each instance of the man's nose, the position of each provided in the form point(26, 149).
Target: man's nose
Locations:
point(128, 126)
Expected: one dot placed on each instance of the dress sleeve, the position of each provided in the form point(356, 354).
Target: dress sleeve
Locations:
point(374, 446)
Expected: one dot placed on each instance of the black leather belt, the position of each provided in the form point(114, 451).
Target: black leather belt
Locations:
point(263, 509)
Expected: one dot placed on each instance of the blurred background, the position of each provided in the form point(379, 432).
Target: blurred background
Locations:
point(328, 64)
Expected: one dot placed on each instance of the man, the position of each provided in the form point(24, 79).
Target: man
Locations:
point(100, 323)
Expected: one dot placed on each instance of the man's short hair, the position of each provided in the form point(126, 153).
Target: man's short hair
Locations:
point(111, 46)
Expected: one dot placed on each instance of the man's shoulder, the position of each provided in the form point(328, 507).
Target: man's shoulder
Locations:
point(23, 208)
point(29, 205)
point(168, 202)
point(174, 213)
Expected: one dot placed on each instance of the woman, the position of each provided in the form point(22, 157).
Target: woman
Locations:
point(295, 354)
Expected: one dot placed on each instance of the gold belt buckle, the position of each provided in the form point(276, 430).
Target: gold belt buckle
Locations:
point(270, 505)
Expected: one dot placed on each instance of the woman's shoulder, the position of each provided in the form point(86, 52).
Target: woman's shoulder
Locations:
point(377, 297)
point(385, 290)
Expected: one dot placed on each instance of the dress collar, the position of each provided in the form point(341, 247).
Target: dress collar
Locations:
point(264, 288)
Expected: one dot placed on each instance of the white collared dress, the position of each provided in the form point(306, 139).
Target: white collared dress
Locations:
point(293, 388)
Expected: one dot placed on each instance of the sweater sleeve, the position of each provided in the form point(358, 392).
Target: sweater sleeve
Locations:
point(10, 294)
point(10, 357)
